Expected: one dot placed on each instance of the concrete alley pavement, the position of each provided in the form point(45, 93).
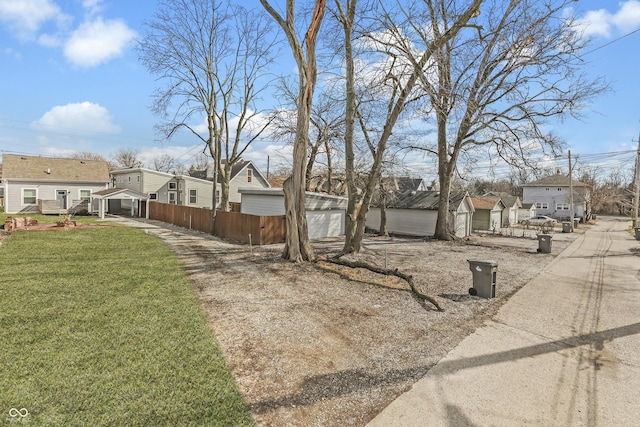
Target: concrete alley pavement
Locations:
point(563, 351)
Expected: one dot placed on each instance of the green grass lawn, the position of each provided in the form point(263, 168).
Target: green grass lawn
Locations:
point(102, 327)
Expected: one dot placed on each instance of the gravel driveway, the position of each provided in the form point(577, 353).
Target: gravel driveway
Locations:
point(310, 344)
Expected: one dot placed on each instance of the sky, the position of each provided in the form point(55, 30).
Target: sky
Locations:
point(71, 81)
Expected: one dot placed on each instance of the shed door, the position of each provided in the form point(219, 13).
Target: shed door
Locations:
point(496, 219)
point(461, 224)
point(61, 197)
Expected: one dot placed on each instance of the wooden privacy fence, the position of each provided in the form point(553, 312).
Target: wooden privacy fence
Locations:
point(264, 230)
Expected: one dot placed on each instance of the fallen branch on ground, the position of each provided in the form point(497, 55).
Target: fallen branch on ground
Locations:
point(387, 272)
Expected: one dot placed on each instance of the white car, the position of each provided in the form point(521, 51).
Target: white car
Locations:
point(540, 220)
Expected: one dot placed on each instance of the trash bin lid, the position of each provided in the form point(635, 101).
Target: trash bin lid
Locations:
point(488, 263)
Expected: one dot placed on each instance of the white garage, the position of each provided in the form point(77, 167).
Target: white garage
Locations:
point(415, 213)
point(325, 213)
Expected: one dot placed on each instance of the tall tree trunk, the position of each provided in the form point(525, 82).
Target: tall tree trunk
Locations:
point(310, 163)
point(297, 247)
point(382, 231)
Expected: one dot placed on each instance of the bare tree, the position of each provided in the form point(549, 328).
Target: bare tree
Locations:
point(86, 155)
point(127, 158)
point(396, 86)
point(496, 86)
point(297, 246)
point(213, 57)
point(164, 163)
point(325, 132)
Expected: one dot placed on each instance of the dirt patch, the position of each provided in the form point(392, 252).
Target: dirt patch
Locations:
point(315, 344)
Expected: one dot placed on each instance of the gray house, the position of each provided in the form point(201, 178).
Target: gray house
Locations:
point(50, 185)
point(162, 187)
point(414, 213)
point(551, 196)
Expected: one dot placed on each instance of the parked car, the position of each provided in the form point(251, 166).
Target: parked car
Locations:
point(540, 220)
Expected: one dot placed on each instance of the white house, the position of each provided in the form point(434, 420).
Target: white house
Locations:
point(551, 196)
point(414, 213)
point(325, 213)
point(50, 185)
point(162, 187)
point(244, 174)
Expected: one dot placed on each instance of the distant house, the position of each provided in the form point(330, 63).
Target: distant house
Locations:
point(50, 185)
point(325, 213)
point(488, 212)
point(162, 187)
point(414, 213)
point(512, 205)
point(244, 174)
point(551, 196)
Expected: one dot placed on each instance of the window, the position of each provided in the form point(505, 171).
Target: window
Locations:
point(217, 197)
point(172, 197)
point(173, 185)
point(138, 178)
point(249, 175)
point(29, 196)
point(562, 206)
point(129, 178)
point(153, 196)
point(193, 197)
point(542, 205)
point(559, 189)
point(85, 195)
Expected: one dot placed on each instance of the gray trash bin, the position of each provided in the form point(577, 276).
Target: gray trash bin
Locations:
point(544, 243)
point(576, 221)
point(484, 278)
point(566, 227)
point(637, 230)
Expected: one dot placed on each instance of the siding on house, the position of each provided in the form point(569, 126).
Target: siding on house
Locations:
point(551, 196)
point(47, 176)
point(150, 182)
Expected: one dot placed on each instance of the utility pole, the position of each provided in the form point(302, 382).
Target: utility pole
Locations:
point(570, 192)
point(636, 190)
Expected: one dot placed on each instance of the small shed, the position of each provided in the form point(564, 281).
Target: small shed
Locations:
point(102, 197)
point(325, 213)
point(512, 205)
point(528, 210)
point(415, 213)
point(488, 212)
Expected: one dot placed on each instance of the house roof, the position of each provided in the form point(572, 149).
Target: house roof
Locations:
point(508, 199)
point(527, 206)
point(557, 180)
point(54, 169)
point(119, 193)
point(486, 202)
point(402, 183)
point(428, 200)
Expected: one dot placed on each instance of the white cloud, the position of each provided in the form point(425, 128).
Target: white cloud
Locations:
point(25, 17)
point(93, 7)
point(603, 23)
point(85, 117)
point(98, 41)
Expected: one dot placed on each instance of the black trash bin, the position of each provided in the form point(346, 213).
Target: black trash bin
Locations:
point(484, 278)
point(544, 243)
